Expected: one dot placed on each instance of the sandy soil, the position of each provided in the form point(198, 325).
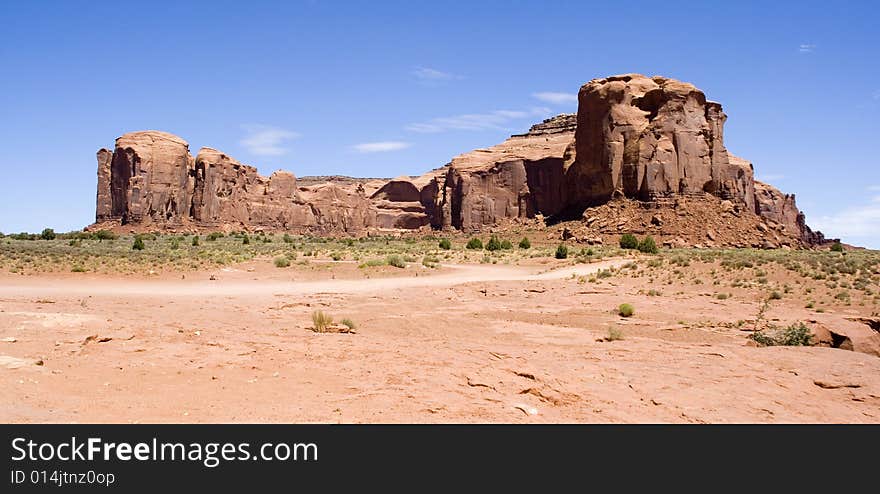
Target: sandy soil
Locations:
point(466, 343)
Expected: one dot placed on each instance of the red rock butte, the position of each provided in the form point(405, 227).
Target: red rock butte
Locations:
point(653, 142)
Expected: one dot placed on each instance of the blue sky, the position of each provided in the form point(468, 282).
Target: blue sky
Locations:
point(390, 88)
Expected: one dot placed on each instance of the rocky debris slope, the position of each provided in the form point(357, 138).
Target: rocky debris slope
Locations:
point(654, 140)
point(698, 220)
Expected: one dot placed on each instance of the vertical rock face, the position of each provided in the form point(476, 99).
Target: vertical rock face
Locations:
point(645, 138)
point(104, 208)
point(781, 209)
point(148, 180)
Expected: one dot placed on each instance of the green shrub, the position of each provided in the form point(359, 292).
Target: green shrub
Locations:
point(282, 262)
point(321, 321)
point(138, 243)
point(798, 334)
point(774, 295)
point(493, 244)
point(837, 247)
point(213, 236)
point(396, 261)
point(445, 244)
point(337, 256)
point(195, 242)
point(561, 252)
point(102, 235)
point(47, 234)
point(626, 310)
point(175, 243)
point(629, 241)
point(78, 269)
point(506, 245)
point(525, 243)
point(372, 263)
point(614, 334)
point(474, 244)
point(349, 323)
point(287, 239)
point(245, 240)
point(647, 245)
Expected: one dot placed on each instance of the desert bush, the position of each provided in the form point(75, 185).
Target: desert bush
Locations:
point(77, 269)
point(47, 234)
point(493, 244)
point(722, 296)
point(614, 334)
point(396, 261)
point(626, 310)
point(797, 334)
point(372, 263)
point(321, 321)
point(525, 243)
point(647, 245)
point(195, 242)
point(175, 243)
point(213, 236)
point(138, 243)
point(337, 256)
point(445, 244)
point(774, 295)
point(282, 262)
point(561, 252)
point(349, 323)
point(245, 240)
point(629, 241)
point(836, 247)
point(474, 244)
point(506, 245)
point(287, 238)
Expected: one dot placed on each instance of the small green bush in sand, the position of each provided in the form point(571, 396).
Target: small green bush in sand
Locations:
point(321, 321)
point(562, 252)
point(396, 261)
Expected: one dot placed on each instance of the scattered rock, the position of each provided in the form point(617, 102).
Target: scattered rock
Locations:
point(526, 409)
point(835, 385)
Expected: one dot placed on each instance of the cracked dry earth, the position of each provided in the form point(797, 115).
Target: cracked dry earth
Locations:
point(468, 343)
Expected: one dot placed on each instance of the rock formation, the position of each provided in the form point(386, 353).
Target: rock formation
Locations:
point(656, 141)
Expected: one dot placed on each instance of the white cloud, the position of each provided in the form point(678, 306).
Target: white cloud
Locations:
point(860, 223)
point(495, 120)
point(380, 147)
point(265, 140)
point(433, 77)
point(556, 98)
point(806, 48)
point(770, 177)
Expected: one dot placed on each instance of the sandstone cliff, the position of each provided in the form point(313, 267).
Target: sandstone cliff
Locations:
point(655, 140)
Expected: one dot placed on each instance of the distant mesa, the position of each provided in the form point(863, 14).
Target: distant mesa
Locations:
point(642, 154)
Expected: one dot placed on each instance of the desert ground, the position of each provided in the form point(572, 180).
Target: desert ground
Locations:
point(224, 329)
